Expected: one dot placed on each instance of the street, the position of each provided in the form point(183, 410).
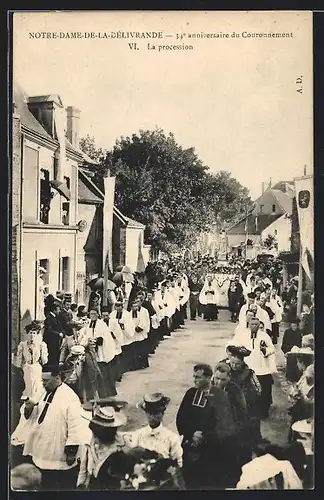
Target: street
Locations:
point(171, 367)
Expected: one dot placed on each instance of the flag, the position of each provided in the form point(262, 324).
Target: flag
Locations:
point(108, 214)
point(305, 207)
point(60, 126)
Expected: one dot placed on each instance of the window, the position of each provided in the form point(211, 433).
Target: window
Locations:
point(66, 205)
point(273, 209)
point(31, 184)
point(65, 275)
point(261, 208)
point(45, 196)
point(275, 232)
point(42, 286)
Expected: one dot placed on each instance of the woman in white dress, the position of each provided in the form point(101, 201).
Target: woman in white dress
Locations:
point(32, 354)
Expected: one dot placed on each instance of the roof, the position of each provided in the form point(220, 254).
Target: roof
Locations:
point(127, 221)
point(88, 192)
point(27, 118)
point(134, 223)
point(46, 98)
point(262, 221)
point(284, 200)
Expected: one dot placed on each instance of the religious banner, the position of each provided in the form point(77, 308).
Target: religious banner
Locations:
point(305, 207)
point(109, 183)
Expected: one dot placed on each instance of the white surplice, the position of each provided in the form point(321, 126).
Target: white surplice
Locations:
point(206, 296)
point(105, 352)
point(62, 426)
point(142, 321)
point(122, 329)
point(261, 364)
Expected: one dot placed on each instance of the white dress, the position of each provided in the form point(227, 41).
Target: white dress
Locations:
point(31, 357)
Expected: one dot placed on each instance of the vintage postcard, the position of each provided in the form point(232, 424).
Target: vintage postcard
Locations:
point(162, 327)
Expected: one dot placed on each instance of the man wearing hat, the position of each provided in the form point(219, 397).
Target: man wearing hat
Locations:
point(72, 368)
point(105, 420)
point(155, 436)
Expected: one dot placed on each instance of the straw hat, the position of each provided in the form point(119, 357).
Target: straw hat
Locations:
point(258, 470)
point(105, 417)
point(301, 350)
point(153, 403)
point(308, 341)
point(238, 350)
point(117, 404)
point(77, 350)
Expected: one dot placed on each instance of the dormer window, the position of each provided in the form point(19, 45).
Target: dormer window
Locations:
point(273, 209)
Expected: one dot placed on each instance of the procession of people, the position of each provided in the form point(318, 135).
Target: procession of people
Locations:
point(70, 425)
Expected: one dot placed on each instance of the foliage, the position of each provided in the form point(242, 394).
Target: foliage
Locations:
point(167, 188)
point(269, 242)
point(97, 168)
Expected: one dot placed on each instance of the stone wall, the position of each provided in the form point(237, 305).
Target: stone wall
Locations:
point(16, 229)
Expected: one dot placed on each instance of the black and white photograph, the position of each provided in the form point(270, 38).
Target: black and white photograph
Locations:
point(161, 250)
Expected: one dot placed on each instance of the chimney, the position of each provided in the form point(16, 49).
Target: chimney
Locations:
point(262, 187)
point(73, 123)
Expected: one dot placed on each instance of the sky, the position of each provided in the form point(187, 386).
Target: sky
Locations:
point(234, 99)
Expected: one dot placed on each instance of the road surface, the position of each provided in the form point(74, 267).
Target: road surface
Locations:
point(170, 372)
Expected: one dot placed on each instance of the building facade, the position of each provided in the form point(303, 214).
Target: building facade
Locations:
point(48, 204)
point(271, 215)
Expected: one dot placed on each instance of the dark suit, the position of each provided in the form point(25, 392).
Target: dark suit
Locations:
point(53, 339)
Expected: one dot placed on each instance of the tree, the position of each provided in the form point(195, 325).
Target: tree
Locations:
point(167, 188)
point(97, 155)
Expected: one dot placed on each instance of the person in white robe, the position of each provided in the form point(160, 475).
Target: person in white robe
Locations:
point(250, 279)
point(141, 325)
point(121, 325)
point(97, 336)
point(276, 305)
point(56, 432)
point(209, 298)
point(164, 297)
point(261, 360)
point(42, 291)
point(259, 312)
point(184, 298)
point(32, 354)
point(241, 329)
point(112, 299)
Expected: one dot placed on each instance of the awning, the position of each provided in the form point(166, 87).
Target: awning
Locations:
point(61, 188)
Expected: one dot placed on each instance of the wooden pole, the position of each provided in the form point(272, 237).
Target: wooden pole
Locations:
point(300, 283)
